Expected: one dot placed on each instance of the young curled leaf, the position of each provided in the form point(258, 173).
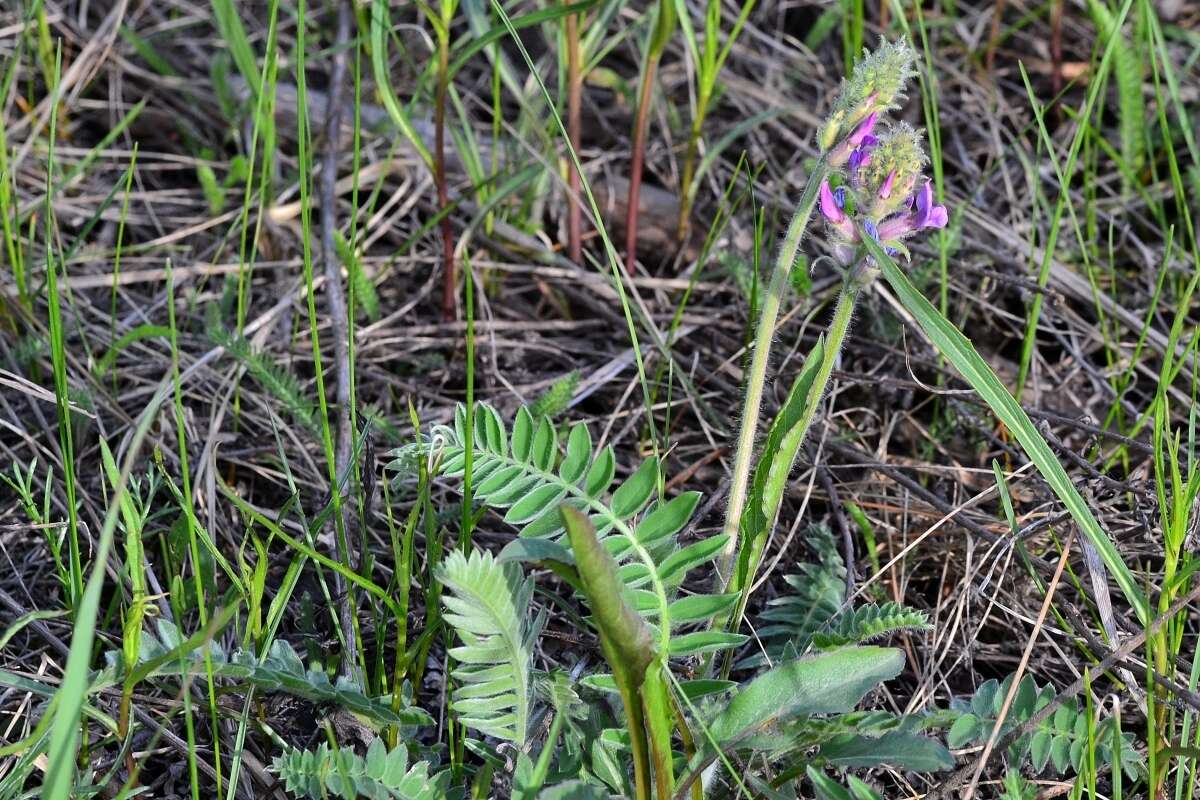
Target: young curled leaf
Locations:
point(630, 638)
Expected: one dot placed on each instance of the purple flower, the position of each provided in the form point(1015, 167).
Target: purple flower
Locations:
point(861, 156)
point(863, 131)
point(831, 209)
point(885, 191)
point(928, 214)
point(859, 139)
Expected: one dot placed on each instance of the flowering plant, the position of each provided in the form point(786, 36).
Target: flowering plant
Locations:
point(868, 182)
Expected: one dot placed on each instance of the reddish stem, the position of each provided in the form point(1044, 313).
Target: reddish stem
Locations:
point(635, 165)
point(575, 135)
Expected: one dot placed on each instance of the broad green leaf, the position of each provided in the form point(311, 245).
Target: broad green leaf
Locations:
point(699, 606)
point(1039, 749)
point(705, 642)
point(896, 748)
point(1060, 753)
point(631, 495)
point(830, 683)
point(678, 563)
point(957, 349)
point(985, 695)
point(964, 731)
point(600, 474)
point(573, 790)
point(522, 435)
point(535, 503)
point(496, 480)
point(667, 519)
point(579, 454)
point(526, 550)
point(545, 443)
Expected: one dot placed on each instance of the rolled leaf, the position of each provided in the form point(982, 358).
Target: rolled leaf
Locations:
point(627, 633)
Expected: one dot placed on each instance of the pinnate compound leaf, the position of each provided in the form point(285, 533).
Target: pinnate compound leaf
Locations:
point(342, 773)
point(488, 605)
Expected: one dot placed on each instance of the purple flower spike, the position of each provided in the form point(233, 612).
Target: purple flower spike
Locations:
point(830, 208)
point(929, 215)
point(885, 191)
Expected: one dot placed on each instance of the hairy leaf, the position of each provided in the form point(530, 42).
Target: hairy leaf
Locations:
point(488, 607)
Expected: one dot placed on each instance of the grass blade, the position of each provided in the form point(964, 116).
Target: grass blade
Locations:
point(959, 351)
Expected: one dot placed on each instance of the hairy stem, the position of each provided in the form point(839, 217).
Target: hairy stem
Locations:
point(743, 457)
point(742, 579)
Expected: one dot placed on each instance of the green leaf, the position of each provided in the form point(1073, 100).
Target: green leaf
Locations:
point(522, 435)
point(705, 642)
point(545, 445)
point(631, 495)
point(600, 474)
point(1039, 749)
point(829, 683)
point(678, 563)
point(700, 606)
point(326, 772)
point(488, 606)
point(527, 550)
point(896, 748)
point(667, 519)
point(957, 349)
point(579, 454)
point(868, 622)
point(984, 697)
point(1060, 753)
point(964, 730)
point(573, 790)
point(534, 504)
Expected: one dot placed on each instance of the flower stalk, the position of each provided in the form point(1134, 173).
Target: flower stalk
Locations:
point(867, 183)
point(759, 356)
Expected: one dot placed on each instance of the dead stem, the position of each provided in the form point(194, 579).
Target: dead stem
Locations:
point(341, 333)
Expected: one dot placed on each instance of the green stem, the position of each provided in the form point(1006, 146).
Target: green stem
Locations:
point(742, 463)
point(656, 705)
point(742, 579)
